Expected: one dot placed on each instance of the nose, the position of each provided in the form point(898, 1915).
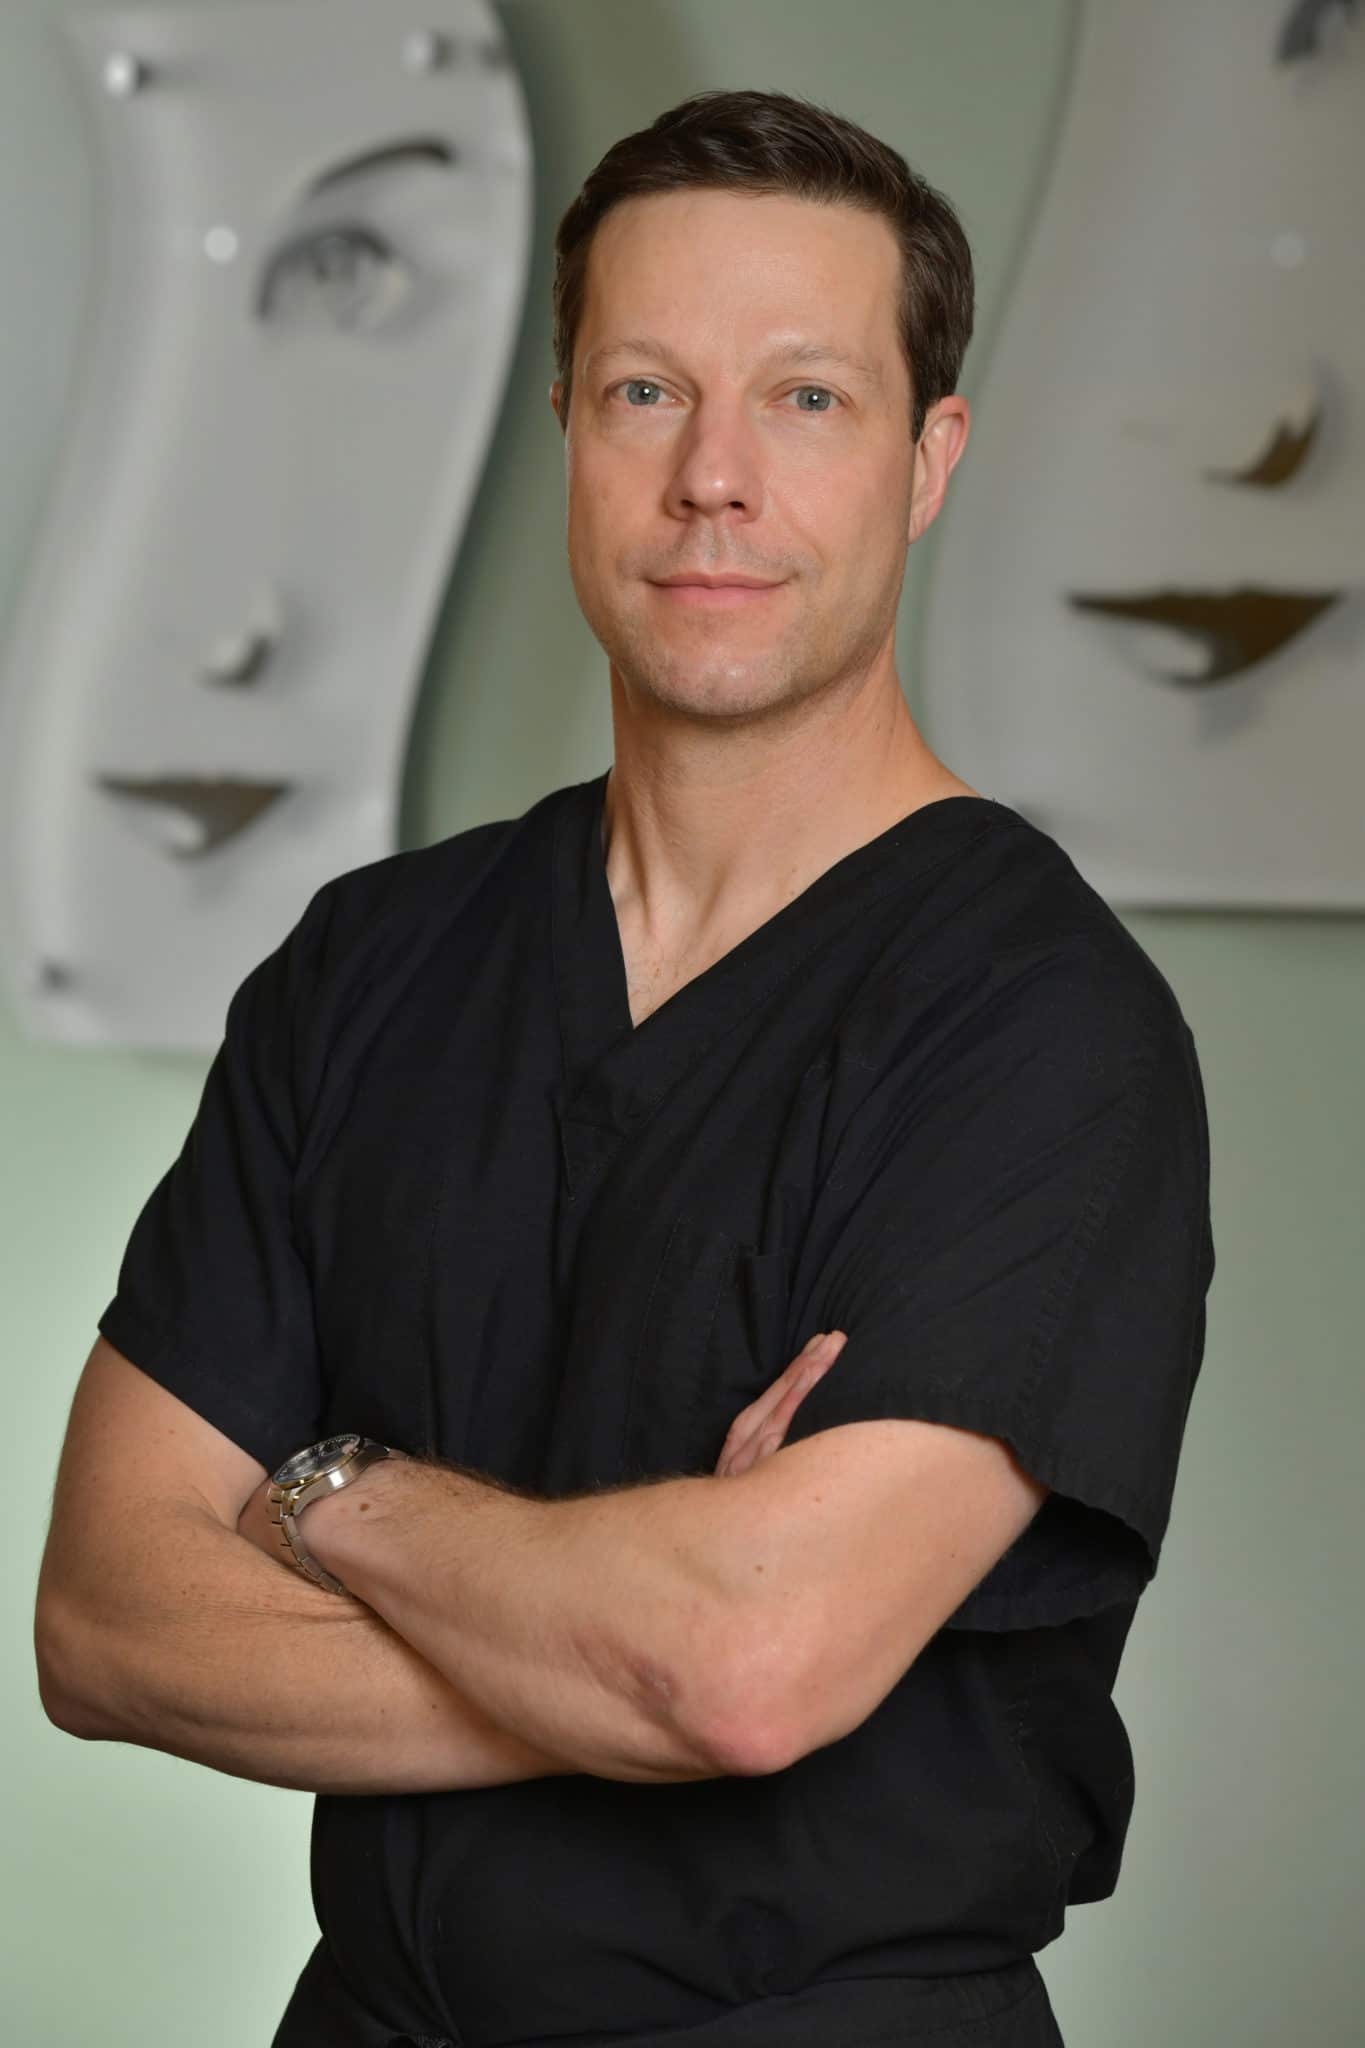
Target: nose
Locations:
point(719, 465)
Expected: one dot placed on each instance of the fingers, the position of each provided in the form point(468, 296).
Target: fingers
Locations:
point(763, 1429)
point(753, 1420)
point(759, 1429)
point(814, 1367)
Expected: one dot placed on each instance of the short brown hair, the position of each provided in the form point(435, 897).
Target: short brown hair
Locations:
point(769, 142)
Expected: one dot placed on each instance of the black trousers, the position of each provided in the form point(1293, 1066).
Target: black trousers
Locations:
point(1006, 2008)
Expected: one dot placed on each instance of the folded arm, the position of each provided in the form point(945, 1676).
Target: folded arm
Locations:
point(157, 1624)
point(593, 1627)
point(752, 1615)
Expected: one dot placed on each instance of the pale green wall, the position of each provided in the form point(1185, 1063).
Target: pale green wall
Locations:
point(136, 1901)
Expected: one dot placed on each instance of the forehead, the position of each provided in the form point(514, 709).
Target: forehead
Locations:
point(744, 274)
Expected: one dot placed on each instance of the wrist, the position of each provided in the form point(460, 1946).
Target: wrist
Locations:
point(311, 1477)
point(331, 1526)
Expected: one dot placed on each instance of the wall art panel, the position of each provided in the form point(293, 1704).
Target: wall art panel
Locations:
point(314, 241)
point(1146, 623)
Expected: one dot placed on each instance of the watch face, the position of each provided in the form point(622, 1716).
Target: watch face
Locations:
point(316, 1458)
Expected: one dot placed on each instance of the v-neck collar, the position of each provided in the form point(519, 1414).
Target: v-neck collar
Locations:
point(614, 1070)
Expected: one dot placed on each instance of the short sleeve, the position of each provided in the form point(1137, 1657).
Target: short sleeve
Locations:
point(1027, 1255)
point(213, 1299)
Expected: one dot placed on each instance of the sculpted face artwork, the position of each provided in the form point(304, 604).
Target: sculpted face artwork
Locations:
point(740, 407)
point(1146, 622)
point(309, 282)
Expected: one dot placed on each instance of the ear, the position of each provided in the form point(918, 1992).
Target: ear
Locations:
point(556, 394)
point(937, 454)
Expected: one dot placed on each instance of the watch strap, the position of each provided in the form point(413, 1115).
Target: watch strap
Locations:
point(287, 1502)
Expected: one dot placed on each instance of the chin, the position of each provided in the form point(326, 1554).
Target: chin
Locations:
point(742, 692)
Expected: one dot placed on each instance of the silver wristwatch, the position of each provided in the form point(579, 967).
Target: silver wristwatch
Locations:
point(319, 1469)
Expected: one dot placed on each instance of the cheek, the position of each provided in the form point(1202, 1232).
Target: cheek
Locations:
point(876, 524)
point(845, 522)
point(605, 501)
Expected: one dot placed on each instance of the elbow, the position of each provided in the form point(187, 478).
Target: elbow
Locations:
point(68, 1714)
point(774, 1705)
point(724, 1673)
point(751, 1729)
point(748, 1752)
point(68, 1686)
point(754, 1742)
point(689, 1719)
point(61, 1709)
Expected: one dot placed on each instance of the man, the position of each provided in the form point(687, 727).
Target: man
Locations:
point(668, 1674)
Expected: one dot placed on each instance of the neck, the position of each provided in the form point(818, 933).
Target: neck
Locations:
point(699, 847)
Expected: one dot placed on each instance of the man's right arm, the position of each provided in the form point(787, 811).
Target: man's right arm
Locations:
point(158, 1624)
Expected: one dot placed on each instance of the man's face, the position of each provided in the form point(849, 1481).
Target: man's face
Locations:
point(695, 443)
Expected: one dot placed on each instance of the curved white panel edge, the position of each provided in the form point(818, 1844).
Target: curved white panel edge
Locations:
point(1193, 281)
point(315, 243)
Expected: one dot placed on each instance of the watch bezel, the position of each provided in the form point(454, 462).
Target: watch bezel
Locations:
point(314, 1461)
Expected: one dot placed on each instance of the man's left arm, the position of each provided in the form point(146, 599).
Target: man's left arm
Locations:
point(595, 1626)
point(709, 1625)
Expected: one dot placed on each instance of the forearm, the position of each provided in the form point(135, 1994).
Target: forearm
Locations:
point(584, 1626)
point(244, 1665)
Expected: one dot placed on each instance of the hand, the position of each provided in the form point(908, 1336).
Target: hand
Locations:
point(759, 1429)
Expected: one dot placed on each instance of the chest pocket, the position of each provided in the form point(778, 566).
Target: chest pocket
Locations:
point(711, 1340)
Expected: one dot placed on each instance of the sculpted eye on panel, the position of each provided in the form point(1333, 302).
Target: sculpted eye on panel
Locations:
point(348, 277)
point(313, 236)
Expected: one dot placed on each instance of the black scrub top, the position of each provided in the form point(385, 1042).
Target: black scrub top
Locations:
point(440, 1189)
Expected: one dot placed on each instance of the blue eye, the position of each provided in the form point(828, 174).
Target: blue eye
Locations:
point(646, 384)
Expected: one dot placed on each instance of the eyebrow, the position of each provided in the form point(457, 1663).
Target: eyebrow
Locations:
point(796, 352)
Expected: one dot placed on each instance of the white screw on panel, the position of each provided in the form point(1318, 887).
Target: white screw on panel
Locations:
point(124, 74)
point(425, 50)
